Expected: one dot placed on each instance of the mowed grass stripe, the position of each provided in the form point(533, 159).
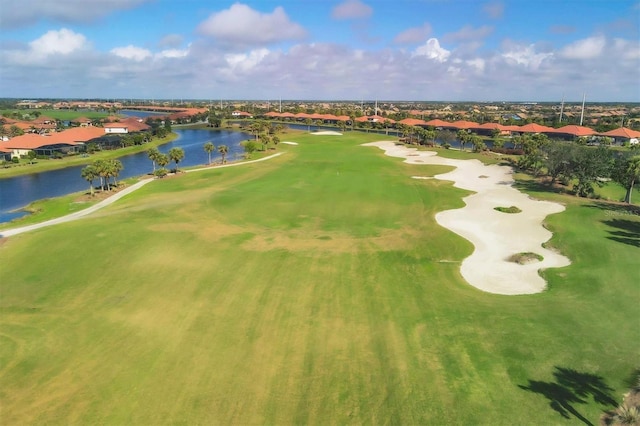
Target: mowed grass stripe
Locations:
point(313, 288)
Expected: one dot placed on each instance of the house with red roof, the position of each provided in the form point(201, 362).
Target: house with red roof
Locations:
point(64, 142)
point(571, 131)
point(623, 135)
point(241, 114)
point(413, 122)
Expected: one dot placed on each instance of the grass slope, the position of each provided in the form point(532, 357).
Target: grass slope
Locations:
point(315, 288)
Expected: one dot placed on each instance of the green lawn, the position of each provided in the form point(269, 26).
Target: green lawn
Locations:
point(58, 114)
point(313, 288)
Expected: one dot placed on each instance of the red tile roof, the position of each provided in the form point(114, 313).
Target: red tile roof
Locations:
point(574, 130)
point(535, 128)
point(413, 122)
point(70, 137)
point(438, 123)
point(463, 124)
point(491, 126)
point(622, 132)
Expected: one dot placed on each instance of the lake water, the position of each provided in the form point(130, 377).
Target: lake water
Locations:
point(19, 191)
point(140, 114)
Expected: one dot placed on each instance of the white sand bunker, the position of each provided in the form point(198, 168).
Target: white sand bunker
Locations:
point(289, 143)
point(496, 236)
point(327, 133)
point(422, 177)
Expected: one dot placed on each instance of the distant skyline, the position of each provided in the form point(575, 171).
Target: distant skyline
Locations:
point(414, 50)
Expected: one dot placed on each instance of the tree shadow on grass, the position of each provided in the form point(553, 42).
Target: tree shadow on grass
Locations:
point(538, 186)
point(628, 231)
point(570, 388)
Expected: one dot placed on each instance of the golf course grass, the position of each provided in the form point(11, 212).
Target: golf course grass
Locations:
point(312, 288)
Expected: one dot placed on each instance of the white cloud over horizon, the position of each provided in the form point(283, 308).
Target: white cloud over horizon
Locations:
point(242, 25)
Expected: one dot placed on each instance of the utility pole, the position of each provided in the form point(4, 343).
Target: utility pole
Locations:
point(561, 109)
point(584, 96)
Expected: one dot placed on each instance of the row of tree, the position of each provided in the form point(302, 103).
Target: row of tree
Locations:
point(103, 170)
point(581, 166)
point(209, 147)
point(157, 158)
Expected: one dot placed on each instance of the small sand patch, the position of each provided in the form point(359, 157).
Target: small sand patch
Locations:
point(289, 143)
point(327, 133)
point(422, 177)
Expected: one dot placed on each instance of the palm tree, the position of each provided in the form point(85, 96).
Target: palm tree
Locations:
point(463, 137)
point(162, 160)
point(89, 173)
point(275, 140)
point(115, 167)
point(223, 150)
point(209, 147)
point(176, 155)
point(153, 155)
point(308, 122)
point(102, 170)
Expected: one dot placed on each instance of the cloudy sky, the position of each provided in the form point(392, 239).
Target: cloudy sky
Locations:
point(424, 50)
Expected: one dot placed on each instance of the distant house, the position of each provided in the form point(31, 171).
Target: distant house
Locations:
point(241, 114)
point(5, 154)
point(82, 121)
point(49, 144)
point(116, 128)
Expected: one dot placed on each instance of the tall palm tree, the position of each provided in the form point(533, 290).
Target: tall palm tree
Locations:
point(176, 155)
point(102, 169)
point(115, 167)
point(223, 150)
point(209, 147)
point(162, 160)
point(89, 174)
point(153, 155)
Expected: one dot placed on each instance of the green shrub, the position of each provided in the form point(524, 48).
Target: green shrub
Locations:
point(512, 209)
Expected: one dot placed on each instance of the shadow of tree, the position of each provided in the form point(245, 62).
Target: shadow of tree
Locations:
point(628, 231)
point(572, 387)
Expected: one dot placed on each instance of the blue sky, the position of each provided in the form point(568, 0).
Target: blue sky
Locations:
point(423, 50)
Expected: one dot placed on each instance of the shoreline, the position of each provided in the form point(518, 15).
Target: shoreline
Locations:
point(115, 197)
point(77, 160)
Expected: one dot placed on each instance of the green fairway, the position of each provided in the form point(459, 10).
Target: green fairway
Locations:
point(312, 288)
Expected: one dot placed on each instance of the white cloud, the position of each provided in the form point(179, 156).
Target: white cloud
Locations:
point(526, 56)
point(626, 49)
point(21, 13)
point(62, 42)
point(587, 48)
point(413, 35)
point(242, 25)
point(52, 43)
point(246, 61)
point(173, 53)
point(432, 50)
point(351, 9)
point(132, 52)
point(478, 64)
